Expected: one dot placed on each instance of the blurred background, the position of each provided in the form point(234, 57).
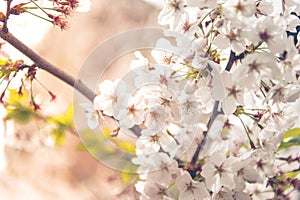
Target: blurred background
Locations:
point(65, 172)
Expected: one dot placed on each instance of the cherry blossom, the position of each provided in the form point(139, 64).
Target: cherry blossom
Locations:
point(269, 30)
point(217, 171)
point(190, 189)
point(110, 94)
point(234, 93)
point(171, 13)
point(91, 115)
point(155, 191)
point(214, 101)
point(230, 37)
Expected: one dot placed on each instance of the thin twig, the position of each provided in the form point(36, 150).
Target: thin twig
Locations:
point(47, 66)
point(4, 27)
point(230, 61)
point(209, 124)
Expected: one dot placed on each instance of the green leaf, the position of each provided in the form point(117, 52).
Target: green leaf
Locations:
point(295, 141)
point(292, 133)
point(59, 136)
point(65, 120)
point(292, 174)
point(124, 145)
point(14, 98)
point(6, 67)
point(62, 124)
point(18, 107)
point(19, 113)
point(127, 177)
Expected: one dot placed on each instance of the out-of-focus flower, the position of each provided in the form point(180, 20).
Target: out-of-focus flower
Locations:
point(91, 115)
point(202, 4)
point(239, 11)
point(83, 6)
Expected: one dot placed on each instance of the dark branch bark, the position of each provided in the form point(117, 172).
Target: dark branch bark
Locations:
point(47, 66)
point(231, 60)
point(209, 124)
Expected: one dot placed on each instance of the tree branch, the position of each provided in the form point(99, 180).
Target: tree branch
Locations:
point(47, 66)
point(4, 27)
point(215, 112)
point(230, 61)
point(209, 124)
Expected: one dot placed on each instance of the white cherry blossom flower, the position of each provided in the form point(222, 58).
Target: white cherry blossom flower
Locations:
point(239, 11)
point(189, 108)
point(246, 172)
point(167, 170)
point(154, 162)
point(256, 67)
point(259, 191)
point(244, 7)
point(91, 115)
point(156, 191)
point(189, 23)
point(265, 162)
point(149, 143)
point(155, 118)
point(171, 13)
point(264, 7)
point(131, 115)
point(190, 189)
point(111, 94)
point(271, 31)
point(230, 37)
point(217, 171)
point(202, 4)
point(225, 193)
point(233, 91)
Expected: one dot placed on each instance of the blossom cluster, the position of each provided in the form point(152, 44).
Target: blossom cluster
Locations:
point(217, 104)
point(54, 11)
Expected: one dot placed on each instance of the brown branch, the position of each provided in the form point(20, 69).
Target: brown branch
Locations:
point(46, 65)
point(4, 27)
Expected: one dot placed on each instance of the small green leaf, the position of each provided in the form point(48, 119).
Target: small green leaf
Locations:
point(59, 136)
point(81, 147)
point(292, 133)
point(62, 124)
point(127, 177)
point(292, 174)
point(295, 141)
point(18, 107)
point(19, 113)
point(14, 98)
point(65, 119)
point(124, 145)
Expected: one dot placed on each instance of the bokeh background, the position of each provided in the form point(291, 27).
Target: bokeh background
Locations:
point(64, 172)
